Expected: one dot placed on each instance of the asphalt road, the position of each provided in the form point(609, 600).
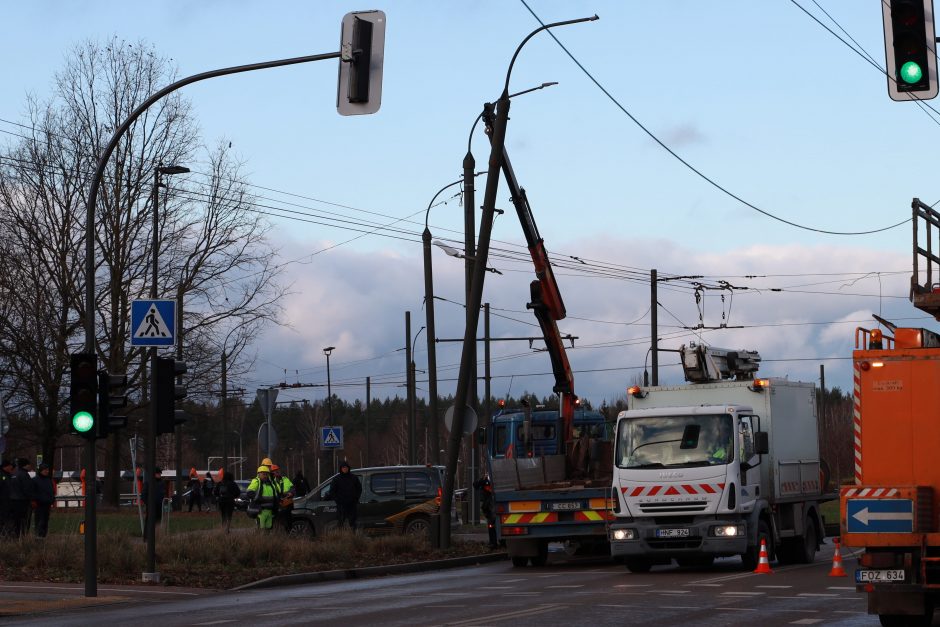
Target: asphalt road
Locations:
point(566, 592)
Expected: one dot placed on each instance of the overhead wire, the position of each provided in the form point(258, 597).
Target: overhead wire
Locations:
point(688, 165)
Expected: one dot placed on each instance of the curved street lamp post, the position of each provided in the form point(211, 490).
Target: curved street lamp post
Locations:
point(476, 291)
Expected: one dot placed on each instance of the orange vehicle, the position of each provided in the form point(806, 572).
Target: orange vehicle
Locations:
point(892, 510)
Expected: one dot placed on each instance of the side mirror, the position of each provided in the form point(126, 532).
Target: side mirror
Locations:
point(761, 443)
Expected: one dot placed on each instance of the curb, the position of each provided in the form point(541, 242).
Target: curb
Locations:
point(370, 571)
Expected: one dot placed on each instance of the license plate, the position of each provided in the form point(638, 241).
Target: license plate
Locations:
point(566, 506)
point(672, 533)
point(874, 576)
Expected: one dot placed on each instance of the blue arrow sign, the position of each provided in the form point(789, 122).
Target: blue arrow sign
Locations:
point(153, 322)
point(879, 515)
point(331, 437)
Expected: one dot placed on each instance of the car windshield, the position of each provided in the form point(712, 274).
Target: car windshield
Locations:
point(674, 441)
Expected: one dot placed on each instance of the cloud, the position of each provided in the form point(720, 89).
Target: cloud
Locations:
point(797, 305)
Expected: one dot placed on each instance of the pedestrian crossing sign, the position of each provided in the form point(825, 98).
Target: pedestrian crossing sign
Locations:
point(153, 322)
point(331, 437)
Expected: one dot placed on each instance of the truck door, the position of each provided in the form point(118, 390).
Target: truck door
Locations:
point(750, 471)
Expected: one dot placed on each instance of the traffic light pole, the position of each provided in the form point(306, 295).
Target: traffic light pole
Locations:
point(91, 561)
point(91, 520)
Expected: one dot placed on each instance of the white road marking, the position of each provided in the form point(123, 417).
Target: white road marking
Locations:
point(776, 587)
point(707, 585)
point(432, 607)
point(483, 620)
point(673, 591)
point(737, 609)
point(852, 588)
point(580, 585)
point(495, 588)
point(743, 594)
point(680, 607)
point(511, 580)
point(281, 613)
point(817, 594)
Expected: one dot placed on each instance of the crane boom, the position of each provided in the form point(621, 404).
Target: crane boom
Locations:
point(545, 297)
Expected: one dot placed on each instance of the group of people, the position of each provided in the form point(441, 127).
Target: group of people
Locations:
point(23, 496)
point(271, 496)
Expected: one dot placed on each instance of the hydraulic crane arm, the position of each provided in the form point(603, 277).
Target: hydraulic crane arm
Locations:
point(546, 301)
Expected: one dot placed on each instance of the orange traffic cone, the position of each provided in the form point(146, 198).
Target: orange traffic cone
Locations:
point(763, 564)
point(837, 570)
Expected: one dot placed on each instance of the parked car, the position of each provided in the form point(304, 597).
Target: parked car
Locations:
point(395, 499)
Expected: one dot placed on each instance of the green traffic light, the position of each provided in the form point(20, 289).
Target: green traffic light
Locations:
point(911, 73)
point(83, 422)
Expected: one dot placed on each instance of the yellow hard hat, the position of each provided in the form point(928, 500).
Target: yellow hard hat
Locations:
point(266, 461)
point(263, 469)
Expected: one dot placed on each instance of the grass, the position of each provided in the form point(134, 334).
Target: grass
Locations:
point(199, 554)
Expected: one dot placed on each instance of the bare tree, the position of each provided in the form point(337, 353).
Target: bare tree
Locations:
point(214, 256)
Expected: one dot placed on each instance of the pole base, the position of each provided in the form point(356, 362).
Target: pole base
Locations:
point(150, 577)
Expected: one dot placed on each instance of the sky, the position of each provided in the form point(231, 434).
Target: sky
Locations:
point(760, 106)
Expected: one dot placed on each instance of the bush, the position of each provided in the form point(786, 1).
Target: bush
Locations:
point(211, 559)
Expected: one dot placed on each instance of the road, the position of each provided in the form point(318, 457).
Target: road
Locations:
point(566, 592)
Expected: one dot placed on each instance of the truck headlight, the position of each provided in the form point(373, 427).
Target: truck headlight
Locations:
point(728, 531)
point(623, 534)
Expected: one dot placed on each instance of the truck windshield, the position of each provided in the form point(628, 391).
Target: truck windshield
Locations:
point(675, 441)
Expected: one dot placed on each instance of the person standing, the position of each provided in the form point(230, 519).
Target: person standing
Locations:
point(225, 494)
point(208, 491)
point(487, 506)
point(45, 497)
point(346, 489)
point(285, 489)
point(195, 491)
point(153, 498)
point(301, 485)
point(6, 507)
point(262, 493)
point(22, 493)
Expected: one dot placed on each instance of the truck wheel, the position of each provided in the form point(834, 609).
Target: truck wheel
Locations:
point(807, 552)
point(520, 562)
point(752, 556)
point(539, 560)
point(638, 565)
point(905, 620)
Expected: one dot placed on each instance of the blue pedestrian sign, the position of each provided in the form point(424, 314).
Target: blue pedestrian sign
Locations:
point(153, 322)
point(331, 437)
point(879, 515)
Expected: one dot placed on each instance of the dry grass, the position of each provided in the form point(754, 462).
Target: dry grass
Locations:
point(212, 559)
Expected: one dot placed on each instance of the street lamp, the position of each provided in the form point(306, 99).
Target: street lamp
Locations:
point(475, 296)
point(152, 433)
point(329, 391)
point(413, 401)
point(241, 456)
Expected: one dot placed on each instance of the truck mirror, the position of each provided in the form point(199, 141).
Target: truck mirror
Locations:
point(690, 436)
point(761, 443)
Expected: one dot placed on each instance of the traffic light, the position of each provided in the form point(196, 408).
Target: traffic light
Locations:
point(110, 397)
point(168, 392)
point(910, 54)
point(362, 45)
point(83, 394)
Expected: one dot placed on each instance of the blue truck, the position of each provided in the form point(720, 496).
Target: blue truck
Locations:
point(546, 490)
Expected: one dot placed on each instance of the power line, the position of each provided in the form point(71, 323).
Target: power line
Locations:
point(688, 165)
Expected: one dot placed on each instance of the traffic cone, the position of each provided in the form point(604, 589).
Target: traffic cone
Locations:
point(763, 564)
point(837, 570)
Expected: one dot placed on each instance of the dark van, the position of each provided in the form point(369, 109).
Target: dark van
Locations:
point(395, 499)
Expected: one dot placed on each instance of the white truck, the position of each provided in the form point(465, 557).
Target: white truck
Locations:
point(709, 468)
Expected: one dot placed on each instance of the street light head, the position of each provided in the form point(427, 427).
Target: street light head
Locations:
point(328, 350)
point(172, 169)
point(453, 252)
